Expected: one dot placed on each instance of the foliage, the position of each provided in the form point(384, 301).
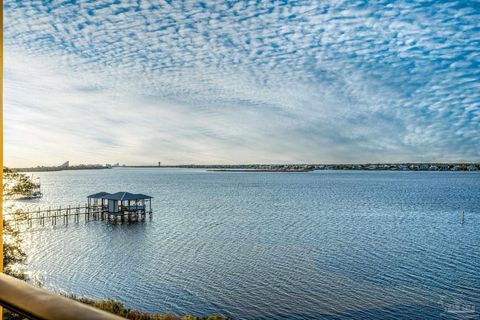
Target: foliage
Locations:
point(14, 185)
point(13, 254)
point(17, 184)
point(119, 309)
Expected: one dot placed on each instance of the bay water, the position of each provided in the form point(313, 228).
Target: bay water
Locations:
point(314, 245)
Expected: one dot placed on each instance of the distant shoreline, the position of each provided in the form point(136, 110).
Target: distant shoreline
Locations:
point(471, 166)
point(260, 170)
point(52, 169)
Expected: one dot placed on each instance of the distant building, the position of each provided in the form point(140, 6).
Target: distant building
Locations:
point(424, 166)
point(444, 167)
point(472, 168)
point(433, 168)
point(64, 165)
point(159, 164)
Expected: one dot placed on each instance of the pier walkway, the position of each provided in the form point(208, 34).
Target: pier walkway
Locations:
point(77, 214)
point(115, 207)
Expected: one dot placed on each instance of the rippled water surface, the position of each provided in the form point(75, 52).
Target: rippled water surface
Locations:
point(326, 244)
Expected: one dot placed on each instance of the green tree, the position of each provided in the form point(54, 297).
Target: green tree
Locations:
point(14, 184)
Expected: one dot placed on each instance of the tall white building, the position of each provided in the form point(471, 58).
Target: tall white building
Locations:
point(65, 164)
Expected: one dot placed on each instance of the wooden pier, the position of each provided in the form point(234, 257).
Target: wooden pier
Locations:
point(77, 214)
point(113, 208)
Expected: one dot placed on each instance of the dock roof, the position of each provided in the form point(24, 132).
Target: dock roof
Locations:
point(98, 195)
point(121, 196)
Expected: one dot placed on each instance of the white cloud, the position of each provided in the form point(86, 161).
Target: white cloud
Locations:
point(139, 82)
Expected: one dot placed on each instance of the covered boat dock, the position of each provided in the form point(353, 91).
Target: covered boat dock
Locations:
point(121, 205)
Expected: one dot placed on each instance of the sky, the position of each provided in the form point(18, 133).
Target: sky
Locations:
point(224, 82)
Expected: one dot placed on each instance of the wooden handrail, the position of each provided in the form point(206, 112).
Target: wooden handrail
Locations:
point(35, 303)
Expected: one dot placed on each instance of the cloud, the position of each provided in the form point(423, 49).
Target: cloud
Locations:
point(188, 82)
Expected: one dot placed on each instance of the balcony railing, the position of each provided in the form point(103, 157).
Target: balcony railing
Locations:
point(34, 303)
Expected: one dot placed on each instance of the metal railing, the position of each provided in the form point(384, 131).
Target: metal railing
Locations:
point(35, 303)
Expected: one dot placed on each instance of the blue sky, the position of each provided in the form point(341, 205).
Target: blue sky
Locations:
point(241, 82)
